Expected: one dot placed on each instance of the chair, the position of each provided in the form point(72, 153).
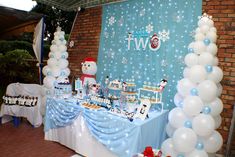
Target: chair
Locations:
point(16, 108)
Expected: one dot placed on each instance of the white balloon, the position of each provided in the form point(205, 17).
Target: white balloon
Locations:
point(212, 36)
point(184, 140)
point(213, 143)
point(64, 55)
point(197, 73)
point(56, 37)
point(204, 29)
point(177, 117)
point(203, 125)
point(218, 121)
point(168, 148)
point(207, 90)
point(206, 59)
point(197, 153)
point(55, 72)
point(198, 30)
point(178, 100)
point(170, 130)
point(184, 86)
point(216, 107)
point(62, 33)
point(191, 59)
point(212, 48)
point(51, 55)
point(186, 72)
point(199, 47)
point(210, 23)
point(61, 37)
point(220, 89)
point(53, 48)
point(62, 48)
point(65, 72)
point(191, 45)
point(57, 55)
point(63, 63)
point(51, 62)
point(216, 61)
point(199, 37)
point(216, 75)
point(213, 29)
point(48, 82)
point(64, 42)
point(56, 33)
point(202, 21)
point(192, 105)
point(46, 71)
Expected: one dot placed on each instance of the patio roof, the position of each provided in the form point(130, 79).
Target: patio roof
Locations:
point(73, 5)
point(10, 17)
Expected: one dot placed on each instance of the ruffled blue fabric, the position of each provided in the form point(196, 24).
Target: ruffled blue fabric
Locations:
point(119, 135)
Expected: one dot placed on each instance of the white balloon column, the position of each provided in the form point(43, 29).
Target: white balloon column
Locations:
point(57, 64)
point(193, 121)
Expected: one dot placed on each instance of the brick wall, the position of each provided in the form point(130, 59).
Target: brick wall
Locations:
point(223, 12)
point(86, 36)
point(87, 29)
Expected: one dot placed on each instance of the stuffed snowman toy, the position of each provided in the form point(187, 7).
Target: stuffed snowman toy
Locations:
point(89, 69)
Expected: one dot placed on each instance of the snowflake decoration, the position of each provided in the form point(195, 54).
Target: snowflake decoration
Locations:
point(142, 12)
point(124, 60)
point(164, 35)
point(121, 21)
point(71, 43)
point(178, 16)
point(149, 28)
point(106, 35)
point(163, 63)
point(112, 20)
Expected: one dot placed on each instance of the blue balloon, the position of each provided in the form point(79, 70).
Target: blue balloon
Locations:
point(190, 50)
point(181, 104)
point(194, 92)
point(206, 41)
point(48, 73)
point(188, 124)
point(199, 145)
point(206, 110)
point(209, 68)
point(180, 155)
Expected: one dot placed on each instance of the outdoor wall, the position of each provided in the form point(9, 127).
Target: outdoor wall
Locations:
point(87, 29)
point(19, 30)
point(86, 36)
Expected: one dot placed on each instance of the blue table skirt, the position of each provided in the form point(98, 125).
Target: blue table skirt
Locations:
point(119, 135)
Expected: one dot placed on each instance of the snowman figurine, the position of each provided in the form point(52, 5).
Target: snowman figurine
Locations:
point(89, 69)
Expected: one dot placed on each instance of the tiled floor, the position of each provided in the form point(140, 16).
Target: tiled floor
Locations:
point(26, 141)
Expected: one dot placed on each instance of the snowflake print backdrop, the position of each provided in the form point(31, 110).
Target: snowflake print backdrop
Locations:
point(127, 52)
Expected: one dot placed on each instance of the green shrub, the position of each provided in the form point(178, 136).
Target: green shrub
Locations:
point(15, 68)
point(6, 46)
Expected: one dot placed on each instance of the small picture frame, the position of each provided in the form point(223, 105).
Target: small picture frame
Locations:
point(143, 109)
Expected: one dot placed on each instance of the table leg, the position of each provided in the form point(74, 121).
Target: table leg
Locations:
point(16, 121)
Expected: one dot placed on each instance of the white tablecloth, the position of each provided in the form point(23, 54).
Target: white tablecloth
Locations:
point(77, 137)
point(32, 114)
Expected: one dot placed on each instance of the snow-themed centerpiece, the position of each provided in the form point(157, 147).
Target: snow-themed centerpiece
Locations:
point(192, 123)
point(63, 88)
point(57, 64)
point(89, 69)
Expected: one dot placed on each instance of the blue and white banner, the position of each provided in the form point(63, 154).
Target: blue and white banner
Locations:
point(146, 41)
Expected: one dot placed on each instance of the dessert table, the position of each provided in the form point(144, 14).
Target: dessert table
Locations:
point(95, 133)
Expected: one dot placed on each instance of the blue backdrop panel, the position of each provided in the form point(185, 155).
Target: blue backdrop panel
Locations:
point(127, 50)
